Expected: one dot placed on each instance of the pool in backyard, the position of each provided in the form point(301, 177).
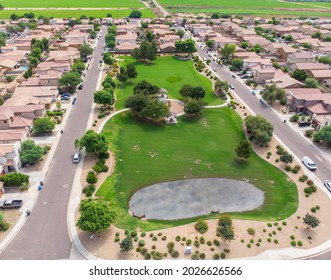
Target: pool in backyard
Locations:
point(195, 197)
point(23, 68)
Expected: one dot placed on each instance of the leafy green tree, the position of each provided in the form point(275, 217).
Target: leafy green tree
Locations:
point(94, 143)
point(180, 33)
point(33, 62)
point(149, 36)
point(244, 149)
point(93, 34)
point(311, 221)
point(210, 44)
point(299, 75)
point(237, 64)
point(288, 38)
point(327, 38)
point(225, 220)
point(108, 59)
point(325, 60)
point(70, 80)
point(146, 88)
point(185, 91)
point(198, 92)
point(324, 135)
point(46, 20)
point(221, 86)
point(286, 158)
point(257, 48)
point(104, 97)
point(311, 83)
point(136, 54)
point(317, 34)
point(201, 226)
point(3, 40)
point(2, 7)
point(78, 66)
point(244, 45)
point(111, 44)
point(108, 83)
point(144, 25)
point(30, 152)
point(14, 17)
point(272, 92)
point(110, 37)
point(36, 53)
point(155, 110)
point(43, 125)
point(95, 215)
point(151, 53)
point(193, 107)
point(228, 51)
point(225, 232)
point(135, 14)
point(3, 224)
point(307, 46)
point(85, 50)
point(122, 76)
point(131, 71)
point(136, 102)
point(260, 129)
point(186, 46)
point(126, 244)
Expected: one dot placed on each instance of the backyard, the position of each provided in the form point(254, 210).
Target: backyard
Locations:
point(203, 148)
point(169, 73)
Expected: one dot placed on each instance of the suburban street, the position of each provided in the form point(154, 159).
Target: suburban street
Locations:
point(45, 235)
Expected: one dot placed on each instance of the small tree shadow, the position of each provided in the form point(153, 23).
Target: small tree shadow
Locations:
point(240, 163)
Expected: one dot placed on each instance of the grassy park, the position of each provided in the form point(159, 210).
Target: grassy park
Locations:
point(246, 7)
point(166, 72)
point(147, 153)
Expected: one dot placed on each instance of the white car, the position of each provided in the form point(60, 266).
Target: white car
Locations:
point(231, 86)
point(309, 163)
point(327, 184)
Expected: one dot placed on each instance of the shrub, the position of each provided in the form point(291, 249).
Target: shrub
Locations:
point(309, 237)
point(201, 226)
point(91, 178)
point(133, 234)
point(14, 179)
point(225, 220)
point(216, 242)
point(258, 244)
point(270, 234)
point(104, 155)
point(46, 149)
point(242, 240)
point(269, 153)
point(251, 241)
point(269, 224)
point(202, 240)
point(313, 209)
point(269, 240)
point(274, 232)
point(177, 238)
point(183, 238)
point(279, 228)
point(292, 237)
point(126, 232)
point(147, 256)
point(141, 243)
point(310, 189)
point(175, 254)
point(202, 256)
point(294, 118)
point(277, 160)
point(288, 168)
point(275, 241)
point(195, 256)
point(318, 207)
point(143, 234)
point(170, 245)
point(164, 238)
point(280, 151)
point(151, 235)
point(188, 242)
point(143, 251)
point(159, 234)
point(24, 187)
point(251, 231)
point(216, 257)
point(264, 230)
point(260, 240)
point(310, 182)
point(117, 239)
point(136, 239)
point(284, 223)
point(138, 250)
point(293, 243)
point(97, 168)
point(309, 132)
point(249, 245)
point(154, 238)
point(295, 170)
point(153, 247)
point(299, 243)
point(117, 234)
point(88, 190)
point(209, 243)
point(196, 243)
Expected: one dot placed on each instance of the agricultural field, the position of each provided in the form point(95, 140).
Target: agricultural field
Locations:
point(146, 13)
point(244, 7)
point(71, 4)
point(194, 148)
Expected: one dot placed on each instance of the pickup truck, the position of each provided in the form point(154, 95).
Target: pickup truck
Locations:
point(10, 203)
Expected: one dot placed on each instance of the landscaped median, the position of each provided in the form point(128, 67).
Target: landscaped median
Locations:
point(201, 148)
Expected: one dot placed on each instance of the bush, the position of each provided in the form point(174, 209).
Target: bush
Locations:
point(216, 257)
point(302, 178)
point(202, 240)
point(216, 242)
point(284, 223)
point(292, 237)
point(117, 239)
point(249, 245)
point(3, 224)
point(138, 250)
point(201, 226)
point(294, 118)
point(88, 190)
point(14, 179)
point(202, 256)
point(274, 232)
point(310, 182)
point(209, 243)
point(188, 242)
point(251, 241)
point(275, 241)
point(196, 243)
point(126, 232)
point(143, 251)
point(164, 238)
point(157, 255)
point(269, 240)
point(133, 234)
point(177, 238)
point(293, 243)
point(91, 178)
point(309, 132)
point(143, 234)
point(97, 168)
point(154, 238)
point(104, 155)
point(310, 190)
point(300, 243)
point(251, 231)
point(269, 224)
point(295, 170)
point(313, 209)
point(170, 245)
point(46, 149)
point(195, 256)
point(117, 234)
point(288, 168)
point(183, 238)
point(141, 243)
point(147, 256)
point(175, 254)
point(24, 187)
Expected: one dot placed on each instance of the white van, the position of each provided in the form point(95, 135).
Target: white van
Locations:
point(76, 157)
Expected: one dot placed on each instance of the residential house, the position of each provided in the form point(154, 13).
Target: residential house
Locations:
point(307, 29)
point(309, 66)
point(251, 62)
point(50, 65)
point(281, 30)
point(220, 41)
point(10, 157)
point(67, 56)
point(197, 28)
point(300, 57)
point(8, 48)
point(285, 82)
point(262, 73)
point(314, 42)
point(167, 47)
point(285, 51)
point(126, 48)
point(129, 39)
point(323, 76)
point(12, 136)
point(127, 29)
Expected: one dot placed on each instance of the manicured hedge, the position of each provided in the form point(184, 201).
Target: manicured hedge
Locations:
point(14, 179)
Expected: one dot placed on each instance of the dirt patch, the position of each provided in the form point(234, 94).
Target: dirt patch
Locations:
point(10, 216)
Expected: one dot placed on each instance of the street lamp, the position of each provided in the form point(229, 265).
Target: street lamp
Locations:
point(96, 243)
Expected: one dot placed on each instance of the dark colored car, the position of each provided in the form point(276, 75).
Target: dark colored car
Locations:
point(304, 123)
point(80, 86)
point(65, 97)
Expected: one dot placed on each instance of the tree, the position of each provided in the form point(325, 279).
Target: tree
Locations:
point(198, 92)
point(131, 71)
point(78, 66)
point(260, 129)
point(46, 20)
point(95, 215)
point(33, 62)
point(1, 7)
point(136, 102)
point(126, 244)
point(224, 220)
point(317, 34)
point(108, 59)
point(3, 224)
point(104, 97)
point(94, 143)
point(210, 44)
point(146, 51)
point(185, 91)
point(111, 44)
point(286, 158)
point(110, 37)
point(30, 152)
point(325, 60)
point(324, 135)
point(180, 33)
point(237, 64)
point(193, 107)
point(122, 75)
point(149, 36)
point(299, 75)
point(307, 46)
point(257, 48)
point(272, 92)
point(327, 38)
point(221, 86)
point(108, 83)
point(311, 221)
point(244, 149)
point(43, 125)
point(155, 109)
point(70, 80)
point(136, 54)
point(244, 45)
point(135, 14)
point(228, 51)
point(93, 34)
point(3, 40)
point(225, 232)
point(151, 53)
point(311, 83)
point(186, 46)
point(14, 17)
point(146, 88)
point(85, 50)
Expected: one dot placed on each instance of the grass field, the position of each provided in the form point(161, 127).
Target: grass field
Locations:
point(76, 13)
point(211, 140)
point(170, 73)
point(71, 4)
point(244, 7)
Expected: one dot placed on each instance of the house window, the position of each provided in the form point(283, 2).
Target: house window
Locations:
point(5, 121)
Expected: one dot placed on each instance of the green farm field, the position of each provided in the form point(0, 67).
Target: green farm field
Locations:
point(244, 7)
point(170, 73)
point(200, 148)
point(76, 13)
point(71, 4)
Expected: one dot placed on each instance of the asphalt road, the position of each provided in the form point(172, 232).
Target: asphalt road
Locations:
point(45, 235)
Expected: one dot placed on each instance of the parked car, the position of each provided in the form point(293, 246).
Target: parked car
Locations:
point(65, 96)
point(233, 76)
point(309, 163)
point(80, 86)
point(215, 69)
point(327, 184)
point(10, 203)
point(231, 86)
point(76, 157)
point(304, 123)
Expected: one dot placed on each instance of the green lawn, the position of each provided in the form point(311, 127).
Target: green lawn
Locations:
point(76, 13)
point(170, 73)
point(71, 4)
point(211, 140)
point(244, 7)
